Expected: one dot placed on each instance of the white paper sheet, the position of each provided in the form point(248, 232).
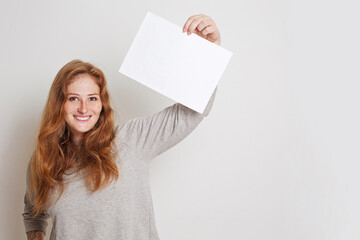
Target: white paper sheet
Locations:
point(185, 68)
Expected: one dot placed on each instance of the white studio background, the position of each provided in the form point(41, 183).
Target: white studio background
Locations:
point(278, 156)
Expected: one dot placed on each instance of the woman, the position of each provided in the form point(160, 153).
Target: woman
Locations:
point(90, 177)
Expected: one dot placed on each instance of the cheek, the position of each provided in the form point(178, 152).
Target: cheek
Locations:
point(67, 110)
point(98, 109)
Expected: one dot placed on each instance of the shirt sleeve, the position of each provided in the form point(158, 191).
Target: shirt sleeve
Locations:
point(32, 223)
point(150, 136)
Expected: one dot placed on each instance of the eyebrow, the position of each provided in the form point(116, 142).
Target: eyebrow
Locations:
point(79, 94)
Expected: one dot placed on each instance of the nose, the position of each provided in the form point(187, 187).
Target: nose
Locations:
point(83, 107)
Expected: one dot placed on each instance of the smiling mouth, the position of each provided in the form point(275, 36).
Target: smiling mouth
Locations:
point(82, 119)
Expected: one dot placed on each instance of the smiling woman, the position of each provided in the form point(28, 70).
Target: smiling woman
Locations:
point(77, 111)
point(80, 152)
point(78, 141)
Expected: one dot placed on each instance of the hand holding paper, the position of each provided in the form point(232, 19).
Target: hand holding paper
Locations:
point(203, 26)
point(183, 67)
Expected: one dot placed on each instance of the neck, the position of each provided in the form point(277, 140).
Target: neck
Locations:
point(78, 141)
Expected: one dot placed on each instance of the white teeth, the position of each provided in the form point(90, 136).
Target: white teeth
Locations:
point(82, 118)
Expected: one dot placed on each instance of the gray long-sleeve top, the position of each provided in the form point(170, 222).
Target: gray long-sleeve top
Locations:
point(124, 209)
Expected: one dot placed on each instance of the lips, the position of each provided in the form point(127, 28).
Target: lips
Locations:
point(82, 118)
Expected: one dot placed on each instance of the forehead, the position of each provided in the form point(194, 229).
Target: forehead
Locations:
point(83, 83)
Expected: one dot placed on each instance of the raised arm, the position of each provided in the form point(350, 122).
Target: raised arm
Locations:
point(35, 227)
point(149, 136)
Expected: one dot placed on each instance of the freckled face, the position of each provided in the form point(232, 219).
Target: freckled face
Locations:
point(83, 105)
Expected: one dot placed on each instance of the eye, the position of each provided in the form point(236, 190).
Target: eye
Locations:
point(93, 98)
point(71, 99)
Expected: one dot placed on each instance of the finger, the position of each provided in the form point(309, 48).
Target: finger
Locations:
point(195, 24)
point(191, 20)
point(199, 33)
point(208, 30)
point(201, 26)
point(188, 22)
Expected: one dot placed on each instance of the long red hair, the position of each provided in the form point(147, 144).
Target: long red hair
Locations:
point(55, 152)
